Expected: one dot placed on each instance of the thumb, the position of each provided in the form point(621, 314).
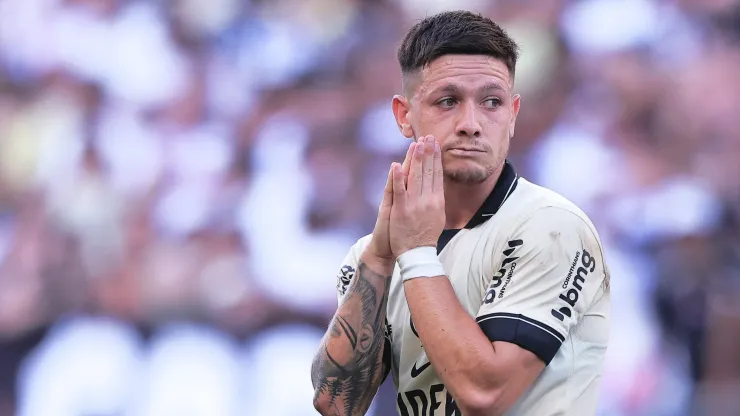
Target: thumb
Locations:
point(399, 185)
point(407, 161)
point(388, 192)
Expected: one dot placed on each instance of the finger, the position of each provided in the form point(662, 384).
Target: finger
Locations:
point(428, 166)
point(438, 170)
point(407, 161)
point(399, 187)
point(388, 192)
point(416, 171)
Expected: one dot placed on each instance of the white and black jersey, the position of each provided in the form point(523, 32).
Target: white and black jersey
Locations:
point(529, 268)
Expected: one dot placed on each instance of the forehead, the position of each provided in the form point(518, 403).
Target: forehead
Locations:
point(466, 71)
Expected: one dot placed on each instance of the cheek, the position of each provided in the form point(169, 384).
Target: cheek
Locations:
point(436, 124)
point(495, 125)
point(498, 117)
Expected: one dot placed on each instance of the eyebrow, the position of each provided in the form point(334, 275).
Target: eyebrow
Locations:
point(492, 87)
point(454, 89)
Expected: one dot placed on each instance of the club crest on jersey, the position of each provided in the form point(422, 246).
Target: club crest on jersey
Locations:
point(503, 276)
point(570, 296)
point(346, 273)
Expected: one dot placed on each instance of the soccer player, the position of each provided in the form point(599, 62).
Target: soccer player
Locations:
point(480, 292)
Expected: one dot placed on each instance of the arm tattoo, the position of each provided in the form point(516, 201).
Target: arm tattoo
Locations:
point(348, 367)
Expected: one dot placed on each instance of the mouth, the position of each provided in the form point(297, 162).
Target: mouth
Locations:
point(466, 151)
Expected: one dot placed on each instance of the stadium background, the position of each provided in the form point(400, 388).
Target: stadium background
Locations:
point(180, 180)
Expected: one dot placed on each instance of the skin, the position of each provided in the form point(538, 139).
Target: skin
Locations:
point(463, 101)
point(349, 368)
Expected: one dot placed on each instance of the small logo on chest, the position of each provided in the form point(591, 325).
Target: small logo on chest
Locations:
point(416, 371)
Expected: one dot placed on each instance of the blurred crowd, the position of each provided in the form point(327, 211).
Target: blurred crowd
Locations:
point(180, 180)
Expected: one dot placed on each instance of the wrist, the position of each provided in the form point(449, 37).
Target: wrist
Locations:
point(381, 265)
point(400, 251)
point(420, 262)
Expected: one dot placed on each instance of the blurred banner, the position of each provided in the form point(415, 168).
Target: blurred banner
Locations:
point(180, 181)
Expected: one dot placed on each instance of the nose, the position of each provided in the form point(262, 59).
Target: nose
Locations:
point(467, 123)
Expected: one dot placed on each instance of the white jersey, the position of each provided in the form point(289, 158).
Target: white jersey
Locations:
point(529, 268)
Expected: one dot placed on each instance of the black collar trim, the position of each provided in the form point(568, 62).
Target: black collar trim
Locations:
point(504, 187)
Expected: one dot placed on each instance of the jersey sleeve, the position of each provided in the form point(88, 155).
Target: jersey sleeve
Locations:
point(349, 266)
point(546, 276)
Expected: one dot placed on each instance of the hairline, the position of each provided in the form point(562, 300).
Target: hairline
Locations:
point(417, 73)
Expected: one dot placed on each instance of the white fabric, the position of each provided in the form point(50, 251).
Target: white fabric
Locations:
point(519, 262)
point(420, 262)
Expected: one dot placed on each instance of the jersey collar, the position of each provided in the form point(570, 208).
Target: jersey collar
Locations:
point(504, 187)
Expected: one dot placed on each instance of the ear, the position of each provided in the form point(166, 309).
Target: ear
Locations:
point(515, 105)
point(402, 112)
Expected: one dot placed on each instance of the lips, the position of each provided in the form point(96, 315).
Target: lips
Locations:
point(468, 149)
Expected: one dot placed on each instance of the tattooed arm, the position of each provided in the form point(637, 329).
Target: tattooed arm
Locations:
point(349, 366)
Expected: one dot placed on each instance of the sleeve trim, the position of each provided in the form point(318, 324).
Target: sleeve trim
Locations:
point(532, 335)
point(547, 328)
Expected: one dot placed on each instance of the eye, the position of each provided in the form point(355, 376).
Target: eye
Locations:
point(492, 102)
point(446, 102)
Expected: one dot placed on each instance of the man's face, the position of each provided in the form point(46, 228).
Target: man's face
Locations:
point(466, 103)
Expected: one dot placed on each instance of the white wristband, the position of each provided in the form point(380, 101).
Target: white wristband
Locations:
point(420, 262)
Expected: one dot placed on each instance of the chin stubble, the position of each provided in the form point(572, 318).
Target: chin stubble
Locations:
point(470, 176)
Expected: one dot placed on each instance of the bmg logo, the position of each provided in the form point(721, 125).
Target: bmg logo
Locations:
point(570, 297)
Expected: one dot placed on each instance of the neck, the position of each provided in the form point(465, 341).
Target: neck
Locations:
point(463, 200)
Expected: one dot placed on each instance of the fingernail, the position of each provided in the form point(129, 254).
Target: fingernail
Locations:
point(420, 148)
point(436, 147)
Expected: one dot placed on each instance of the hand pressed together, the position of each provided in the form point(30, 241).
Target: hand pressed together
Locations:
point(412, 212)
point(380, 245)
point(417, 215)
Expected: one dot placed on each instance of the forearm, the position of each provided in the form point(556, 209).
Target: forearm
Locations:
point(348, 368)
point(460, 352)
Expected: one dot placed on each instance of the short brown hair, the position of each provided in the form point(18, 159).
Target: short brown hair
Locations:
point(455, 32)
